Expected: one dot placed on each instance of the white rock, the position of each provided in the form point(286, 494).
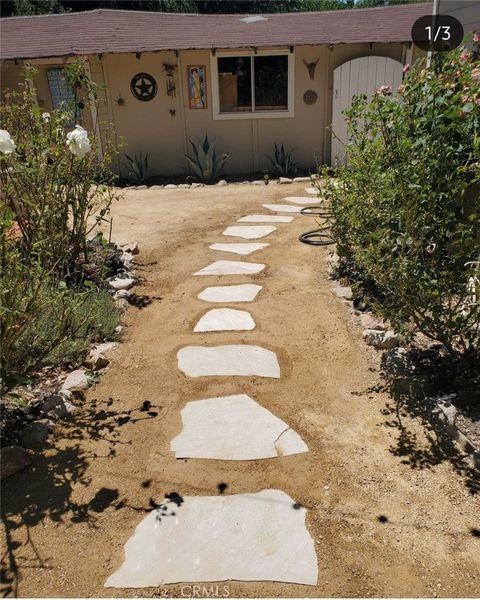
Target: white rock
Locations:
point(231, 267)
point(96, 360)
point(265, 219)
point(170, 186)
point(127, 260)
point(197, 185)
point(122, 294)
point(369, 321)
point(301, 199)
point(301, 179)
point(249, 232)
point(121, 282)
point(233, 428)
point(184, 186)
point(225, 319)
point(243, 537)
point(384, 340)
point(258, 182)
point(243, 249)
point(222, 182)
point(288, 208)
point(130, 247)
point(230, 293)
point(241, 360)
point(343, 291)
point(311, 190)
point(76, 380)
point(285, 180)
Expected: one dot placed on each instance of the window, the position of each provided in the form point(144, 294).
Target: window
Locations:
point(61, 93)
point(248, 85)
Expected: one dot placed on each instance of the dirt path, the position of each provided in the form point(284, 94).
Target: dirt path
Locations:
point(388, 515)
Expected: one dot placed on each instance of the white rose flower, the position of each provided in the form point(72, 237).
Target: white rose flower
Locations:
point(46, 117)
point(7, 145)
point(78, 142)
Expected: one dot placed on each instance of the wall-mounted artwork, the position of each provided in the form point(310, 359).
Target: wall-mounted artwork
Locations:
point(197, 86)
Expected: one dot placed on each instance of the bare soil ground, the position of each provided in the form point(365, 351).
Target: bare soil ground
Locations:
point(390, 514)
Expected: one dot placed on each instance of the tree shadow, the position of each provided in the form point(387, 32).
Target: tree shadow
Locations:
point(45, 490)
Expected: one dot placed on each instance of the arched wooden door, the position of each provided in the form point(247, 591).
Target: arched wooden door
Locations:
point(358, 76)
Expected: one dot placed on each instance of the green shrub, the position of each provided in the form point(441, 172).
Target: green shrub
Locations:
point(283, 161)
point(407, 210)
point(137, 168)
point(54, 190)
point(204, 162)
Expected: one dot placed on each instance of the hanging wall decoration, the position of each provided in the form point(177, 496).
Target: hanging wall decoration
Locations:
point(170, 70)
point(310, 97)
point(197, 86)
point(143, 86)
point(311, 67)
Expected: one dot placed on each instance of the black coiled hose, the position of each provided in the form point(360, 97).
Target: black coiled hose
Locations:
point(322, 235)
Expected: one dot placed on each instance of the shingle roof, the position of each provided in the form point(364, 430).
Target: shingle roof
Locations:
point(105, 31)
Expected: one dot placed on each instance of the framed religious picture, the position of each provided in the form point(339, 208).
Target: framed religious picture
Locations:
point(197, 86)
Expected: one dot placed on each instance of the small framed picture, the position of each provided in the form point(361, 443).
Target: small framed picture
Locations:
point(197, 86)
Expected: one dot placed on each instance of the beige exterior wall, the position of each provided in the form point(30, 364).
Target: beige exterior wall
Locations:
point(162, 126)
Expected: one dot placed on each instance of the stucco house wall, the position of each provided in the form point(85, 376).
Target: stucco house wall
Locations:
point(163, 126)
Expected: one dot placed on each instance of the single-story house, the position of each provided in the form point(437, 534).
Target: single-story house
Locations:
point(246, 80)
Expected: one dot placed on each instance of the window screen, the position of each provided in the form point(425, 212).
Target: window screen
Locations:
point(61, 93)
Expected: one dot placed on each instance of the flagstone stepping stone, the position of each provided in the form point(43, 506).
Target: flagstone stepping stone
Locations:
point(245, 537)
point(283, 208)
point(245, 292)
point(249, 232)
point(234, 428)
point(239, 248)
point(225, 319)
point(311, 190)
point(301, 199)
point(241, 360)
point(265, 219)
point(231, 267)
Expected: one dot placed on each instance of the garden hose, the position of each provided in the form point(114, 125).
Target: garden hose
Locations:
point(322, 235)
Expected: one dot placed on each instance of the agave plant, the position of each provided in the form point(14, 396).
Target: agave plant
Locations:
point(205, 163)
point(137, 167)
point(282, 160)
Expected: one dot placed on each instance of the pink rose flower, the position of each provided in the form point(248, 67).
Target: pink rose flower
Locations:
point(406, 68)
point(384, 90)
point(464, 56)
point(476, 37)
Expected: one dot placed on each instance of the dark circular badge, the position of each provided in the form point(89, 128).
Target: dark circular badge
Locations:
point(143, 87)
point(439, 33)
point(310, 97)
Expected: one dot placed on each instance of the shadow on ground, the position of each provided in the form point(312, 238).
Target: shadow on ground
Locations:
point(45, 491)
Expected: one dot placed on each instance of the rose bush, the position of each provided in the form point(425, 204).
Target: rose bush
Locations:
point(55, 190)
point(407, 210)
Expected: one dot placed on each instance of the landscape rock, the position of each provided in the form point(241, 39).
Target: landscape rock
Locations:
point(369, 321)
point(222, 182)
point(35, 434)
point(118, 329)
point(285, 180)
point(121, 282)
point(96, 360)
point(444, 409)
point(197, 185)
point(383, 340)
point(258, 182)
point(76, 380)
point(184, 186)
point(51, 402)
point(121, 303)
point(131, 247)
point(121, 294)
point(156, 187)
point(170, 186)
point(301, 179)
point(140, 187)
point(12, 460)
point(344, 292)
point(414, 386)
point(396, 362)
point(127, 260)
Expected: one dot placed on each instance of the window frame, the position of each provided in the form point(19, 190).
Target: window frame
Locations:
point(261, 114)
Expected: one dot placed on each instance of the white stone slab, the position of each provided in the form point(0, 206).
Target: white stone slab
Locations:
point(301, 199)
point(231, 267)
point(265, 219)
point(241, 359)
point(249, 232)
point(244, 537)
point(311, 190)
point(288, 208)
point(243, 249)
point(225, 319)
point(246, 292)
point(234, 428)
